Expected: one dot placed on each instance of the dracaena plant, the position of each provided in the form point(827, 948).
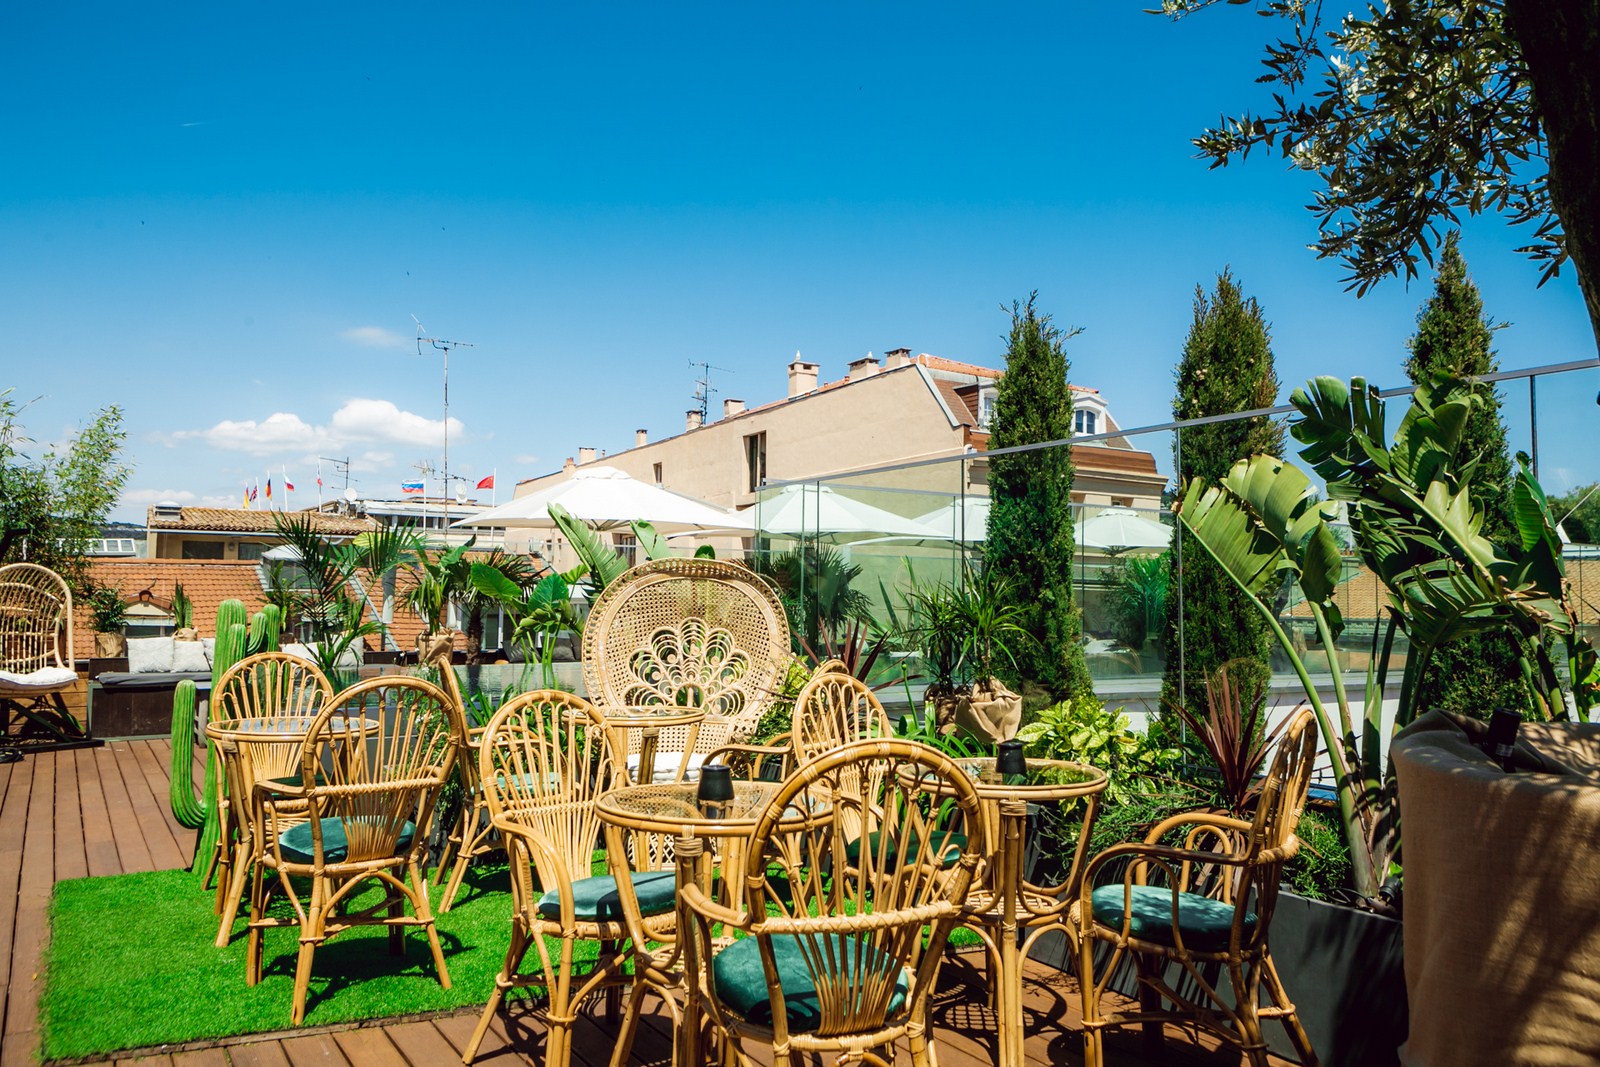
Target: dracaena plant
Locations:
point(1230, 726)
point(1418, 530)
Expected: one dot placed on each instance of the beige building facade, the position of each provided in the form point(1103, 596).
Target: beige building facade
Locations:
point(903, 409)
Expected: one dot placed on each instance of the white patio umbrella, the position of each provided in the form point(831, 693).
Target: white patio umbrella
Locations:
point(965, 518)
point(605, 498)
point(1117, 530)
point(817, 511)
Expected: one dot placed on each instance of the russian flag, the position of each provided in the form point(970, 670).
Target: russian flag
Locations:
point(411, 487)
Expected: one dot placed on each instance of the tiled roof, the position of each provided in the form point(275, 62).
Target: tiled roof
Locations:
point(957, 367)
point(240, 520)
point(206, 582)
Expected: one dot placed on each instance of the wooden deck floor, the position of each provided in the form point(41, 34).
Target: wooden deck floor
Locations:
point(104, 811)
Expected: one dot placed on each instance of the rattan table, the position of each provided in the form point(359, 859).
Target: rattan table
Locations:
point(672, 809)
point(255, 751)
point(1007, 903)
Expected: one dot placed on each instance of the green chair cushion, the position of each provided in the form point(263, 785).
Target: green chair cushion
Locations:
point(954, 845)
point(741, 982)
point(296, 845)
point(597, 899)
point(1206, 924)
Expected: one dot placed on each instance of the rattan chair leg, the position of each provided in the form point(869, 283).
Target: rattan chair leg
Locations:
point(239, 871)
point(1284, 1011)
point(419, 906)
point(630, 1025)
point(502, 982)
point(258, 910)
point(1089, 996)
point(310, 935)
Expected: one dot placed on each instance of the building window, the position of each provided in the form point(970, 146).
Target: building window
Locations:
point(202, 550)
point(985, 407)
point(656, 469)
point(755, 456)
point(252, 550)
point(628, 545)
point(1122, 501)
point(1083, 422)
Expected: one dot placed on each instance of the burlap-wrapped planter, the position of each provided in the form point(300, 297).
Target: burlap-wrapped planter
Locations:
point(989, 711)
point(1502, 896)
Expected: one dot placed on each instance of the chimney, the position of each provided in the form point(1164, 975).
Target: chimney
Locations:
point(863, 368)
point(802, 376)
point(691, 419)
point(585, 455)
point(568, 467)
point(641, 438)
point(730, 408)
point(897, 357)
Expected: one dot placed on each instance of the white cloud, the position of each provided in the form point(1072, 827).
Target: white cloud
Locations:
point(359, 422)
point(526, 461)
point(374, 337)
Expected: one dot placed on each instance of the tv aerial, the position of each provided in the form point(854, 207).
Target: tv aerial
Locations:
point(703, 387)
point(444, 346)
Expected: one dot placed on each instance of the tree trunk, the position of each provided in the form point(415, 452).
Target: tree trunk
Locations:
point(1561, 46)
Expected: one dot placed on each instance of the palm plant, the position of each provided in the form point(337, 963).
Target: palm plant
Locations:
point(540, 611)
point(440, 578)
point(324, 597)
point(1417, 528)
point(1138, 597)
point(474, 601)
point(383, 553)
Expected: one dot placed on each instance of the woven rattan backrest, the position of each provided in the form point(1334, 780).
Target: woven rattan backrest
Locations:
point(832, 709)
point(857, 902)
point(270, 685)
point(1283, 796)
point(375, 761)
point(688, 633)
point(543, 759)
point(35, 619)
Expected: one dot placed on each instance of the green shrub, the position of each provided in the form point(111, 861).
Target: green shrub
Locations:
point(1321, 870)
point(1082, 729)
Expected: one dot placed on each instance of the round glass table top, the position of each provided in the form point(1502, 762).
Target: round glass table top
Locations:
point(1042, 779)
point(651, 715)
point(674, 808)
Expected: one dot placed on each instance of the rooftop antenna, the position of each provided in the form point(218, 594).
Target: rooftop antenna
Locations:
point(703, 388)
point(340, 466)
point(443, 346)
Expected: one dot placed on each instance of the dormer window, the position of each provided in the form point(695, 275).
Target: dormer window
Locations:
point(986, 407)
point(1084, 423)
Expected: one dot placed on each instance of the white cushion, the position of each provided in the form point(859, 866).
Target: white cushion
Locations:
point(189, 656)
point(43, 678)
point(299, 651)
point(149, 655)
point(210, 646)
point(666, 766)
point(349, 659)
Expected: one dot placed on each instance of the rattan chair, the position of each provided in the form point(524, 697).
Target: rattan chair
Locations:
point(269, 685)
point(36, 659)
point(833, 709)
point(472, 834)
point(835, 963)
point(691, 633)
point(544, 758)
point(1202, 906)
point(776, 759)
point(371, 768)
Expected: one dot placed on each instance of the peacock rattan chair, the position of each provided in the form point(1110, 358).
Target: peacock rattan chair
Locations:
point(269, 685)
point(36, 659)
point(835, 963)
point(690, 633)
point(543, 759)
point(1204, 904)
point(371, 767)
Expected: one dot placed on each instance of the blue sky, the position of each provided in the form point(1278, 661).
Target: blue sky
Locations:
point(223, 218)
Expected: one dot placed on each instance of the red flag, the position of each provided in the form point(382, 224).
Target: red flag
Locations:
point(487, 483)
point(288, 485)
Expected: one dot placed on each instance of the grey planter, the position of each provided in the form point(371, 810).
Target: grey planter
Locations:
point(1342, 967)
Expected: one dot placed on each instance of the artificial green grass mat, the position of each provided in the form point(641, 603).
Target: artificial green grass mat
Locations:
point(132, 963)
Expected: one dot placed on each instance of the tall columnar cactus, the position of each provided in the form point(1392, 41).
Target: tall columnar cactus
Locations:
point(266, 627)
point(201, 812)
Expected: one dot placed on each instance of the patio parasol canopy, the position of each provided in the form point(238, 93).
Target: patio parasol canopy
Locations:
point(964, 519)
point(604, 498)
point(799, 511)
point(1116, 530)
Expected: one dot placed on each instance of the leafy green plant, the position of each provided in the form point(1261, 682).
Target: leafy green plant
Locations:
point(1085, 731)
point(384, 553)
point(107, 609)
point(539, 610)
point(1417, 528)
point(1321, 869)
point(1137, 597)
point(925, 730)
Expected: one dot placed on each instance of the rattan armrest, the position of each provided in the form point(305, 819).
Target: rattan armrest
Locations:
point(1164, 855)
point(709, 910)
point(1197, 819)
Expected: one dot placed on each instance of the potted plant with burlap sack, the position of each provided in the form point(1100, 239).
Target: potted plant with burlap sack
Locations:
point(989, 622)
point(109, 612)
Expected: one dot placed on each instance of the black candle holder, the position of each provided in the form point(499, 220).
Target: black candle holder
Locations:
point(1008, 758)
point(716, 784)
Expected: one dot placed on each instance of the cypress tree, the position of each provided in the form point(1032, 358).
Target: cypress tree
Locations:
point(1030, 532)
point(1227, 366)
point(1478, 672)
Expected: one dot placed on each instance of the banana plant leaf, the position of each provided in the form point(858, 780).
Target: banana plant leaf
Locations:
point(604, 562)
